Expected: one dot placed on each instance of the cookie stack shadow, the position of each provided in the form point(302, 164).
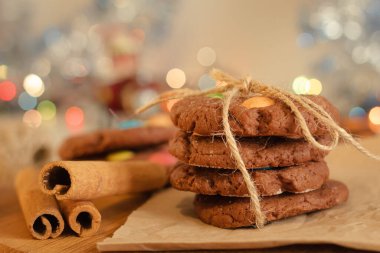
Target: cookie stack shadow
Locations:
point(290, 174)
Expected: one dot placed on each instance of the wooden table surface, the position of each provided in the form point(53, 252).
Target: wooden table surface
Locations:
point(14, 237)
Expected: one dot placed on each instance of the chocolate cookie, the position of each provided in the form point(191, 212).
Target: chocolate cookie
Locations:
point(256, 152)
point(295, 179)
point(234, 212)
point(104, 141)
point(261, 117)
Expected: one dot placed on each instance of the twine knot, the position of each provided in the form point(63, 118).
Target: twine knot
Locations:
point(229, 86)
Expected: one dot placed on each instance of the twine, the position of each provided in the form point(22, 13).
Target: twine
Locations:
point(230, 87)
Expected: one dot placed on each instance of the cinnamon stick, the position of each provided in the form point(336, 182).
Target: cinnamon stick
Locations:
point(82, 216)
point(41, 211)
point(85, 180)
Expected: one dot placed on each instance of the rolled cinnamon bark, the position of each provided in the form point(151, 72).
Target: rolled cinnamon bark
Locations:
point(41, 211)
point(85, 180)
point(82, 216)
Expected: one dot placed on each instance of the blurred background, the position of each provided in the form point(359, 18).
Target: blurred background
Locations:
point(71, 66)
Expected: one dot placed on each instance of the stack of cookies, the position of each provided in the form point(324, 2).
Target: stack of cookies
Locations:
point(290, 174)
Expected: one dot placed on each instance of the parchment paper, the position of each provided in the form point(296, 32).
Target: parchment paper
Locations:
point(167, 221)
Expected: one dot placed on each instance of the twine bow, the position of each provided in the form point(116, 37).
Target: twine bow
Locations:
point(230, 87)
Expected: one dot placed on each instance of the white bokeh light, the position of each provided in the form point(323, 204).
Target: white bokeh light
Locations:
point(34, 85)
point(176, 78)
point(206, 56)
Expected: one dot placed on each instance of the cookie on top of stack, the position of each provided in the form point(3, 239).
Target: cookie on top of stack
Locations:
point(290, 174)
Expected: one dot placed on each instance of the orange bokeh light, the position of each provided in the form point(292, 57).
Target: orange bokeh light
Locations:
point(170, 103)
point(74, 117)
point(374, 115)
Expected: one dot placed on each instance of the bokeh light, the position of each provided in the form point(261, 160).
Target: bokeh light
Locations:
point(315, 87)
point(47, 109)
point(356, 112)
point(305, 40)
point(125, 124)
point(301, 85)
point(26, 102)
point(34, 85)
point(171, 103)
point(32, 118)
point(374, 115)
point(74, 117)
point(206, 82)
point(352, 30)
point(176, 78)
point(159, 119)
point(206, 56)
point(333, 30)
point(143, 97)
point(7, 90)
point(3, 72)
